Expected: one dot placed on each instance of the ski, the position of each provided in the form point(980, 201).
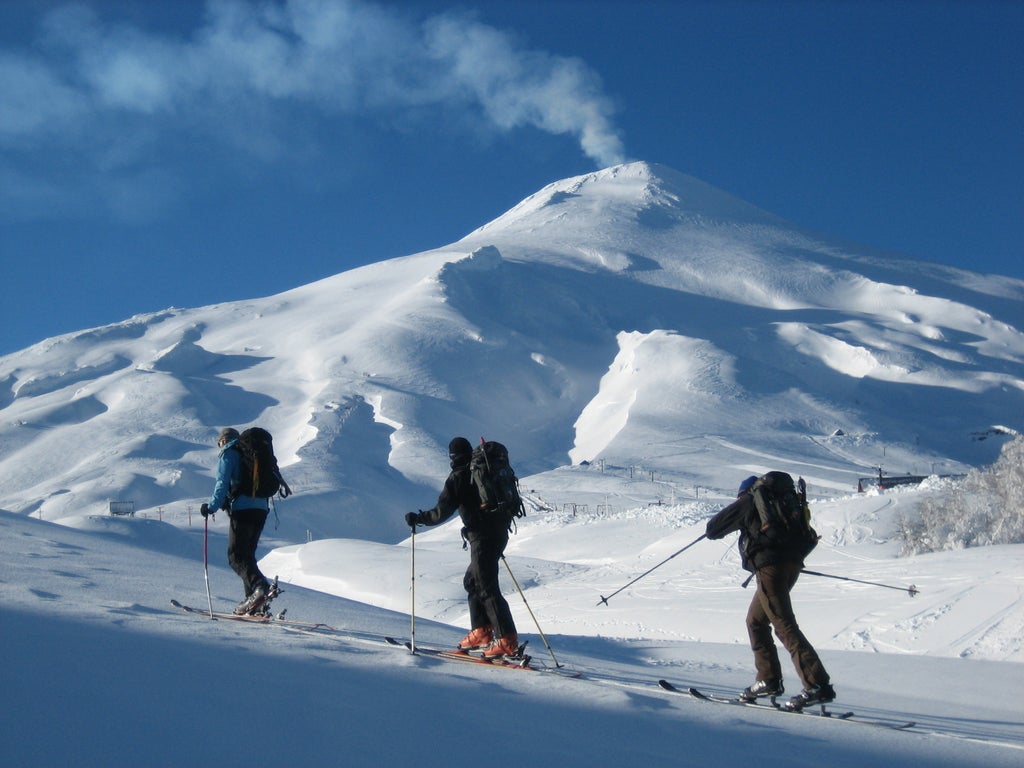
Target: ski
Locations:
point(520, 661)
point(279, 619)
point(314, 629)
point(822, 711)
point(697, 694)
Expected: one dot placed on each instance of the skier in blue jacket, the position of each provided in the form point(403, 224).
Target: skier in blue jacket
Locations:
point(247, 516)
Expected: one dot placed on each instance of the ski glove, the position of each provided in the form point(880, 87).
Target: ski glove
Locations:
point(412, 519)
point(205, 510)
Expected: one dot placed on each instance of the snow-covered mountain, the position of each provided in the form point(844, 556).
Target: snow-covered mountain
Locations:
point(634, 317)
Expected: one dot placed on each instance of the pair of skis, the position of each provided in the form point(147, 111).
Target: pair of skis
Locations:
point(256, 618)
point(520, 660)
point(822, 711)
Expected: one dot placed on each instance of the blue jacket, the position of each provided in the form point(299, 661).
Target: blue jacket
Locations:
point(229, 476)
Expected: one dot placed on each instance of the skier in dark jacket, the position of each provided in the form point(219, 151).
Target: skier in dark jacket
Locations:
point(776, 563)
point(247, 515)
point(487, 535)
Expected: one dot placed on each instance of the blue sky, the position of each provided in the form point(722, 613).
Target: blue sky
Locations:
point(173, 153)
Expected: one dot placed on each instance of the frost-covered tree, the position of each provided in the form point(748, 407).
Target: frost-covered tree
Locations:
point(987, 507)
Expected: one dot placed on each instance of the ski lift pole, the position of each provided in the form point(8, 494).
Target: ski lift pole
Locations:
point(911, 590)
point(206, 562)
point(537, 623)
point(605, 600)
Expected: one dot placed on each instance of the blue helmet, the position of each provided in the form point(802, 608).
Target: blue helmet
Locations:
point(745, 485)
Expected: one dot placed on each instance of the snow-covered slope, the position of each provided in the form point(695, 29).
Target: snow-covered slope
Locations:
point(634, 316)
point(100, 670)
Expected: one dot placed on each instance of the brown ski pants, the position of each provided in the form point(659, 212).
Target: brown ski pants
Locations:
point(770, 609)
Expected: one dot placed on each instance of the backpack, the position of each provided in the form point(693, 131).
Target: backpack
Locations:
point(783, 519)
point(261, 477)
point(496, 481)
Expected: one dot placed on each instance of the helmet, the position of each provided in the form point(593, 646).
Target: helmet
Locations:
point(745, 485)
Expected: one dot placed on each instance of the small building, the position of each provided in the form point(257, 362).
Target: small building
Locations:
point(122, 508)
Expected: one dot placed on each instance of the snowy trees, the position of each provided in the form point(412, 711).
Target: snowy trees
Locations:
point(987, 507)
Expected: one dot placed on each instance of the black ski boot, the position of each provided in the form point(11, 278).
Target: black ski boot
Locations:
point(816, 694)
point(769, 688)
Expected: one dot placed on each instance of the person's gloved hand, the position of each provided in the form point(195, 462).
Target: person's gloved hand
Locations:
point(412, 519)
point(205, 510)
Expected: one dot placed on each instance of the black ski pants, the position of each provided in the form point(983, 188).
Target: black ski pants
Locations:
point(246, 529)
point(487, 606)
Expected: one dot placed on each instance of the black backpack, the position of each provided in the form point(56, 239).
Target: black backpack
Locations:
point(783, 517)
point(260, 477)
point(496, 481)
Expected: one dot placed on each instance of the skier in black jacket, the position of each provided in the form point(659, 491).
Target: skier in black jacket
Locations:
point(776, 563)
point(487, 535)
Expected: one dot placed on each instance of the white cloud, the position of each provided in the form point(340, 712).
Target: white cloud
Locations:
point(338, 56)
point(521, 87)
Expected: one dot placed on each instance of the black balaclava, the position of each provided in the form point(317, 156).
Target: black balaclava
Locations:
point(459, 451)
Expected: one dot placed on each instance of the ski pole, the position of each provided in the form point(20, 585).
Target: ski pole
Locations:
point(634, 581)
point(537, 623)
point(206, 562)
point(911, 590)
point(412, 609)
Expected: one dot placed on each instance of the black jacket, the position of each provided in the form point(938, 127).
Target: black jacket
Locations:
point(460, 494)
point(758, 547)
